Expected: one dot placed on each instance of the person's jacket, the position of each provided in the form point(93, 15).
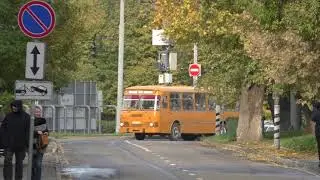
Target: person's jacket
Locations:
point(315, 117)
point(14, 129)
point(40, 124)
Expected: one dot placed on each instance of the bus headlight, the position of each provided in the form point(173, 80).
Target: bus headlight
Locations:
point(151, 124)
point(121, 124)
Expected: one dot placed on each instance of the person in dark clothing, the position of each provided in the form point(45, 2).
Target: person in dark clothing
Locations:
point(15, 138)
point(40, 127)
point(316, 118)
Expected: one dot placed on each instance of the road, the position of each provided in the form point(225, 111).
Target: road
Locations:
point(98, 158)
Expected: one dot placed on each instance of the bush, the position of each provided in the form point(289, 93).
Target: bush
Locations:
point(5, 100)
point(306, 143)
point(108, 126)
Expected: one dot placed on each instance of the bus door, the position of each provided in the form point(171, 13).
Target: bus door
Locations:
point(164, 113)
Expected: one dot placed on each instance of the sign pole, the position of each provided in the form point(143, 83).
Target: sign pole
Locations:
point(195, 61)
point(30, 150)
point(120, 66)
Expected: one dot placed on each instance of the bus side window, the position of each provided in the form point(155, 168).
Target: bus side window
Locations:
point(200, 100)
point(188, 101)
point(175, 102)
point(164, 102)
point(212, 104)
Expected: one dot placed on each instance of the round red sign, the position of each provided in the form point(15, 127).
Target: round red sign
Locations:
point(194, 69)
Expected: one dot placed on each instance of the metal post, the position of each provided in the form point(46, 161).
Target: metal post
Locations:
point(120, 65)
point(89, 119)
point(74, 109)
point(99, 118)
point(30, 150)
point(276, 121)
point(195, 61)
point(84, 103)
point(53, 116)
point(65, 119)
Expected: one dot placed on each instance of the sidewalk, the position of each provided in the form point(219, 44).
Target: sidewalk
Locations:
point(265, 152)
point(49, 163)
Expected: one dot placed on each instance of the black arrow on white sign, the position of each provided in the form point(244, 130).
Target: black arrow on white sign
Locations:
point(35, 53)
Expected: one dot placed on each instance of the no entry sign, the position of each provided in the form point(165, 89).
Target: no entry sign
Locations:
point(36, 19)
point(194, 70)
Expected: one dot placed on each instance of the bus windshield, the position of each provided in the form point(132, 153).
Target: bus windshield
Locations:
point(141, 102)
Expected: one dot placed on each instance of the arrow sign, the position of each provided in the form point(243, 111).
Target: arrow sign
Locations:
point(35, 53)
point(35, 60)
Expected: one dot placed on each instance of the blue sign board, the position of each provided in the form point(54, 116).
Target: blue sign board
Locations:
point(36, 19)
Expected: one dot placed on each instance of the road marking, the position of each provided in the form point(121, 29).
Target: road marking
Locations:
point(138, 146)
point(185, 170)
point(161, 157)
point(192, 174)
point(167, 161)
point(199, 179)
point(172, 164)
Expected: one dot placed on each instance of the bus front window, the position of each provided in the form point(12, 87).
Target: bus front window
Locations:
point(131, 102)
point(149, 102)
point(142, 102)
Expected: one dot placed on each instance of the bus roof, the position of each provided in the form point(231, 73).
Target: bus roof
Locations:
point(165, 88)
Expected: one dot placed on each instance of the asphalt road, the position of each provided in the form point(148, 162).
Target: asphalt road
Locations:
point(103, 158)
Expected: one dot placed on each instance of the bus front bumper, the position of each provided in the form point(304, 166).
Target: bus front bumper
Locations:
point(146, 130)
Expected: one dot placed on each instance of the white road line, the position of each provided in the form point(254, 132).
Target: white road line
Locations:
point(161, 157)
point(185, 170)
point(167, 161)
point(199, 179)
point(192, 174)
point(172, 164)
point(138, 146)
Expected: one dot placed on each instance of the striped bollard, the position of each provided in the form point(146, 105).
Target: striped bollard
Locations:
point(276, 122)
point(218, 117)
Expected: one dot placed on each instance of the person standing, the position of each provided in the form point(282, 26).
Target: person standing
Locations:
point(15, 138)
point(40, 128)
point(315, 117)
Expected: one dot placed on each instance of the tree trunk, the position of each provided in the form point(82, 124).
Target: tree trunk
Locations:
point(285, 123)
point(293, 112)
point(251, 103)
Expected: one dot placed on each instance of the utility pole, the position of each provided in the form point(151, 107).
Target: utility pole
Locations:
point(195, 61)
point(120, 65)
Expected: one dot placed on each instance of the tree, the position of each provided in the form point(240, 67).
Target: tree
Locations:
point(267, 41)
point(139, 54)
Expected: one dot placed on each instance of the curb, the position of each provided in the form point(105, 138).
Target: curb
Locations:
point(306, 166)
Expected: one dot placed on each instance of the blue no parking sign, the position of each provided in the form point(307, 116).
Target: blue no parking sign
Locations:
point(36, 19)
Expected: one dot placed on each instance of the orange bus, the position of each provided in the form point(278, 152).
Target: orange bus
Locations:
point(177, 111)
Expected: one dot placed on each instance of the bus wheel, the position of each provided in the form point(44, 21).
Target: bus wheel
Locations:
point(188, 137)
point(175, 132)
point(139, 136)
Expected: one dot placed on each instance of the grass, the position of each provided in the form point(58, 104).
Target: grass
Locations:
point(287, 134)
point(305, 143)
point(297, 141)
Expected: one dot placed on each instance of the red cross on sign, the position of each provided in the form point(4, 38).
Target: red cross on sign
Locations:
point(194, 70)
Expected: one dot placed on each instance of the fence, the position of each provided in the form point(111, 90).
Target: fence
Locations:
point(72, 118)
